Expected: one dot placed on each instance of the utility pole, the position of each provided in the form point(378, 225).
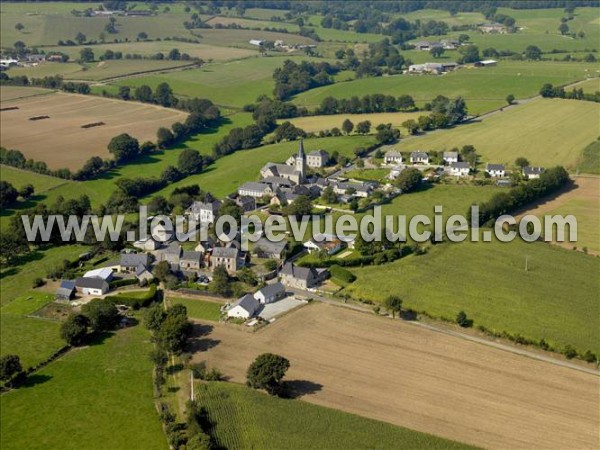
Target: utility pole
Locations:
point(526, 263)
point(191, 385)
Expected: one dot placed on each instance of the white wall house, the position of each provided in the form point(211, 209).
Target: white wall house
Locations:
point(531, 173)
point(459, 169)
point(495, 170)
point(419, 158)
point(243, 308)
point(393, 157)
point(450, 157)
point(92, 286)
point(270, 293)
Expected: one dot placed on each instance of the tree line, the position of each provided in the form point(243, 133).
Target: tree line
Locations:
point(550, 91)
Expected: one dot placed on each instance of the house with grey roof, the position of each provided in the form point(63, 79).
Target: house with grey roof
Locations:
point(171, 254)
point(142, 273)
point(450, 157)
point(495, 170)
point(246, 203)
point(130, 261)
point(66, 290)
point(459, 169)
point(302, 277)
point(254, 189)
point(205, 212)
point(270, 293)
point(393, 157)
point(225, 256)
point(190, 260)
point(419, 158)
point(532, 173)
point(244, 307)
point(92, 286)
point(317, 159)
point(264, 248)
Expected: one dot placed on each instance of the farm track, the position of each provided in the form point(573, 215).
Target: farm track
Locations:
point(419, 378)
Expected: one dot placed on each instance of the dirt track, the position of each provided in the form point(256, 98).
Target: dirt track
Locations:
point(420, 379)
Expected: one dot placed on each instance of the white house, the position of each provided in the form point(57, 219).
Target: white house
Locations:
point(257, 42)
point(244, 307)
point(532, 173)
point(459, 169)
point(450, 157)
point(317, 158)
point(393, 157)
point(148, 245)
point(323, 242)
point(419, 158)
point(205, 212)
point(92, 286)
point(104, 273)
point(270, 293)
point(495, 170)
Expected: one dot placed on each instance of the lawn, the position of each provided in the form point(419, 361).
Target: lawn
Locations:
point(199, 309)
point(590, 86)
point(18, 279)
point(94, 397)
point(33, 339)
point(556, 299)
point(589, 162)
point(318, 123)
point(547, 132)
point(238, 416)
point(228, 173)
point(484, 89)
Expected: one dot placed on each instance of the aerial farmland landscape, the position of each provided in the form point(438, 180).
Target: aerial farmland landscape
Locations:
point(300, 224)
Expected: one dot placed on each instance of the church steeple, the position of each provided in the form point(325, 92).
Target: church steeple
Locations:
point(301, 162)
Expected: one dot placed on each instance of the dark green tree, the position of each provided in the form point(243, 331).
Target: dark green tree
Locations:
point(10, 365)
point(102, 314)
point(189, 161)
point(124, 147)
point(74, 329)
point(267, 372)
point(393, 303)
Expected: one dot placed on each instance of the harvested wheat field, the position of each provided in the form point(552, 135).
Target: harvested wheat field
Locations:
point(49, 127)
point(583, 202)
point(420, 379)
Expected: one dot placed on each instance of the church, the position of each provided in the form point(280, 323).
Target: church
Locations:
point(294, 170)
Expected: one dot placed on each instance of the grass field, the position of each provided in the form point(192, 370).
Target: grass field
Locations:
point(590, 86)
point(17, 280)
point(72, 145)
point(400, 373)
point(234, 83)
point(199, 309)
point(95, 397)
point(33, 339)
point(492, 287)
point(542, 130)
point(484, 89)
point(584, 203)
point(318, 123)
point(589, 162)
point(228, 173)
point(236, 412)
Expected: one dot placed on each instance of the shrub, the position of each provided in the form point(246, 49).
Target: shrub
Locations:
point(342, 274)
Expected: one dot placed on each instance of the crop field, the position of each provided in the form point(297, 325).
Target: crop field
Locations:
point(590, 86)
point(240, 38)
point(33, 339)
point(584, 203)
point(413, 377)
point(108, 384)
point(251, 23)
point(67, 113)
point(235, 83)
point(228, 173)
point(541, 130)
point(484, 89)
point(318, 123)
point(236, 413)
point(8, 93)
point(492, 286)
point(199, 309)
point(206, 52)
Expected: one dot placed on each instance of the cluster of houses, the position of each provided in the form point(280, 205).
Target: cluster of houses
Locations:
point(282, 183)
point(27, 60)
point(281, 45)
point(446, 44)
point(291, 276)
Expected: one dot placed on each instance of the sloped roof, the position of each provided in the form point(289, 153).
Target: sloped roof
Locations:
point(92, 283)
point(271, 289)
point(134, 259)
point(247, 302)
point(301, 273)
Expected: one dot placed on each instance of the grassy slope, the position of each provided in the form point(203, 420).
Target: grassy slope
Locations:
point(95, 397)
point(488, 282)
point(199, 309)
point(229, 172)
point(318, 123)
point(239, 415)
point(483, 89)
point(589, 161)
point(546, 131)
point(32, 339)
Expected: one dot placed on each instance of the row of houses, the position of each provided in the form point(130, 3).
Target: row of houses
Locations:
point(446, 44)
point(462, 169)
point(432, 68)
point(418, 157)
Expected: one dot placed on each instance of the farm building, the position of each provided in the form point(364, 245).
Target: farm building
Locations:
point(246, 203)
point(419, 158)
point(66, 290)
point(254, 189)
point(486, 63)
point(190, 261)
point(425, 46)
point(244, 307)
point(459, 169)
point(450, 44)
point(257, 42)
point(104, 273)
point(130, 261)
point(450, 157)
point(492, 28)
point(302, 277)
point(532, 173)
point(264, 248)
point(171, 254)
point(495, 170)
point(435, 68)
point(393, 157)
point(92, 286)
point(143, 274)
point(270, 293)
point(148, 245)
